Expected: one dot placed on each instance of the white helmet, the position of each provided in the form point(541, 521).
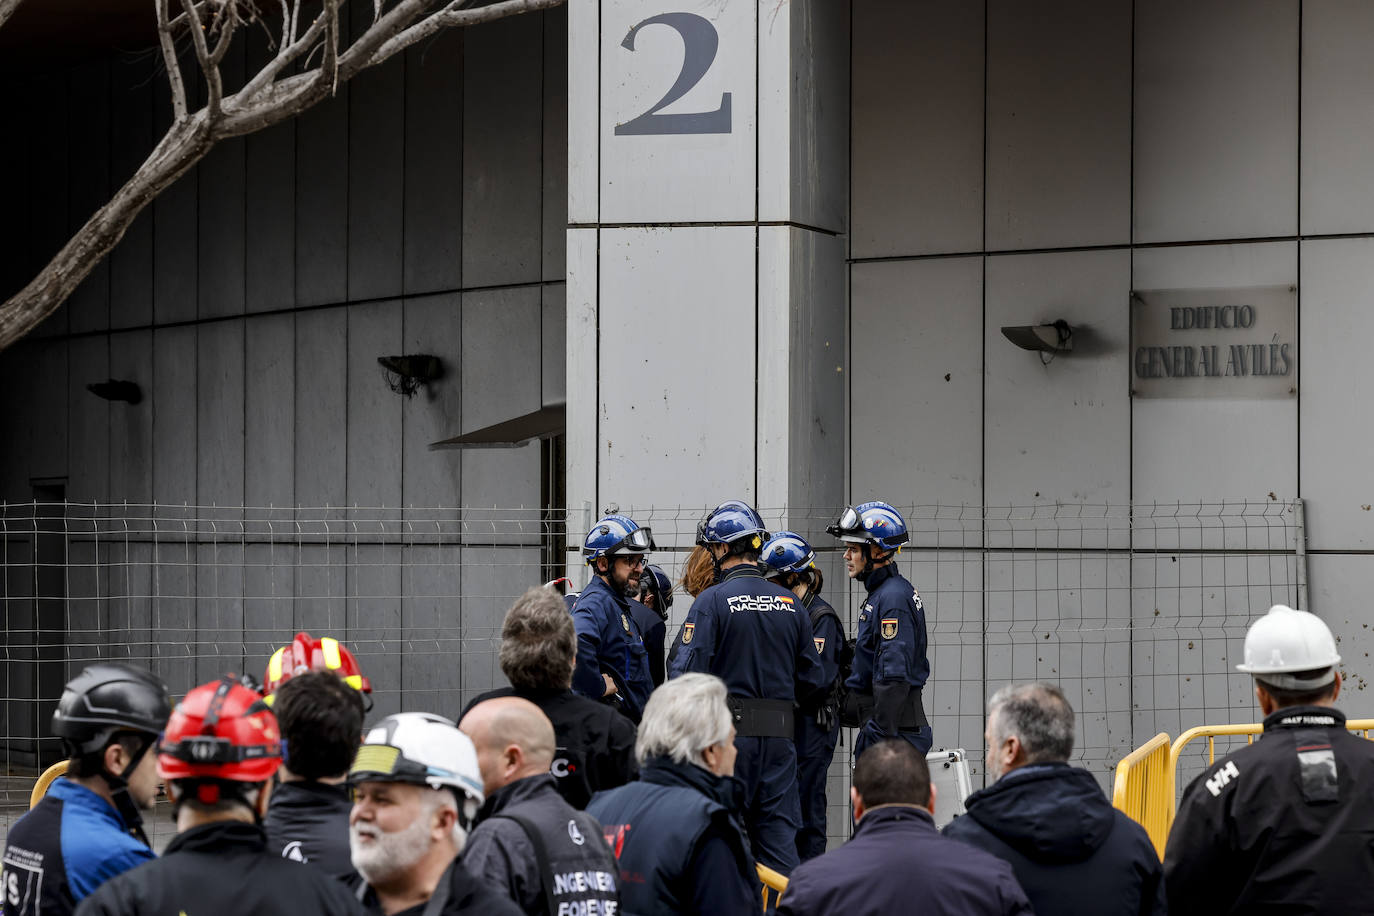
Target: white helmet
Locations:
point(1284, 641)
point(423, 749)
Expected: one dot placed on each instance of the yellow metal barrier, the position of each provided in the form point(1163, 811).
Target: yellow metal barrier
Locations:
point(772, 881)
point(40, 788)
point(1140, 790)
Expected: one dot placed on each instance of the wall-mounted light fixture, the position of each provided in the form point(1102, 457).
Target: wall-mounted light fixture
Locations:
point(116, 390)
point(1053, 338)
point(405, 374)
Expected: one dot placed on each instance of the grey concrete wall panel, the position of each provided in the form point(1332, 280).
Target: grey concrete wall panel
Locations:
point(269, 411)
point(644, 425)
point(1340, 593)
point(917, 128)
point(321, 412)
point(434, 164)
point(47, 114)
point(131, 425)
point(219, 426)
point(47, 410)
point(219, 624)
point(500, 495)
point(1059, 432)
point(502, 143)
point(555, 155)
point(433, 324)
point(501, 355)
point(321, 202)
point(376, 179)
point(1337, 121)
point(374, 620)
point(14, 198)
point(270, 219)
point(1216, 119)
point(1336, 445)
point(916, 435)
point(582, 355)
point(222, 184)
point(175, 252)
point(431, 618)
point(131, 137)
point(493, 578)
point(174, 415)
point(1193, 448)
point(553, 334)
point(88, 176)
point(374, 410)
point(88, 420)
point(819, 109)
point(14, 458)
point(817, 338)
point(320, 606)
point(1059, 124)
point(269, 589)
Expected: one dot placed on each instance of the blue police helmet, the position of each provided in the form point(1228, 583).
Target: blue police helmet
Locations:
point(614, 535)
point(729, 522)
point(787, 551)
point(661, 585)
point(871, 523)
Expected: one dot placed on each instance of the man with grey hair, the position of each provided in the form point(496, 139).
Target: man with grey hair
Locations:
point(678, 833)
point(1096, 861)
point(595, 743)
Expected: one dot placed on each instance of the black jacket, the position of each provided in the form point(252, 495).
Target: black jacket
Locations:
point(1073, 853)
point(308, 822)
point(596, 744)
point(1283, 825)
point(501, 854)
point(655, 631)
point(458, 893)
point(897, 862)
point(221, 869)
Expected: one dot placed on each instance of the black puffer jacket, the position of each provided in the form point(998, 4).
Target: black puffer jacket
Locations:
point(308, 822)
point(1071, 850)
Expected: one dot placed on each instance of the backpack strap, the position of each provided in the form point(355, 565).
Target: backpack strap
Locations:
point(541, 857)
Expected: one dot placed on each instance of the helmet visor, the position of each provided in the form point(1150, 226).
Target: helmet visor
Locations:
point(849, 519)
point(641, 540)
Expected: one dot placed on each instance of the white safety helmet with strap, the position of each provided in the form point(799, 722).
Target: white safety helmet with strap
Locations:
point(422, 749)
point(1285, 641)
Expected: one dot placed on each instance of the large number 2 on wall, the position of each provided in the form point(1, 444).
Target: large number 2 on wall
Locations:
point(700, 42)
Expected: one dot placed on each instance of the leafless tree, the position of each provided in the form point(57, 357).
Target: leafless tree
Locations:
point(309, 64)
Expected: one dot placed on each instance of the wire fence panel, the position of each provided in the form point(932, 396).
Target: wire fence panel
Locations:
point(1138, 612)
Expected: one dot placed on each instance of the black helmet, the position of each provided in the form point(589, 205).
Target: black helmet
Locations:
point(107, 698)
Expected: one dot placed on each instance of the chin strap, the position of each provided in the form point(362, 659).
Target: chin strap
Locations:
point(119, 793)
point(863, 574)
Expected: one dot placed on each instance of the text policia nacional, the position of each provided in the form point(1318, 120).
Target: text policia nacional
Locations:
point(1241, 359)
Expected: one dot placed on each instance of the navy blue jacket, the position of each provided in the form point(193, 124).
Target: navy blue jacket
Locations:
point(754, 635)
point(654, 630)
point(307, 821)
point(608, 637)
point(897, 862)
point(678, 839)
point(56, 855)
point(890, 648)
point(1071, 850)
point(828, 636)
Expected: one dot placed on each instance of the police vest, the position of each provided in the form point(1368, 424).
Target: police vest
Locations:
point(576, 869)
point(653, 830)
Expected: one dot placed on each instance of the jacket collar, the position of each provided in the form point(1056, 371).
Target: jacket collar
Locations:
point(1304, 717)
point(664, 771)
point(742, 571)
point(895, 816)
point(879, 576)
point(515, 792)
point(598, 583)
point(221, 837)
point(72, 793)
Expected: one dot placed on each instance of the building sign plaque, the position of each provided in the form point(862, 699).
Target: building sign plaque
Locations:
point(1217, 343)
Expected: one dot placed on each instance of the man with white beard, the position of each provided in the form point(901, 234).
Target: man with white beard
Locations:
point(416, 789)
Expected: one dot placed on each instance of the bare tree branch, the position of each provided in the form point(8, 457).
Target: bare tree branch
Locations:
point(265, 100)
point(169, 58)
point(7, 8)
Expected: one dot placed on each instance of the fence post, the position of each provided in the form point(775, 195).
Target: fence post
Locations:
point(1300, 532)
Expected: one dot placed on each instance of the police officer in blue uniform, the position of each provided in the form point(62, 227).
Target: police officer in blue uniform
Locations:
point(612, 664)
point(890, 664)
point(789, 561)
point(651, 613)
point(756, 637)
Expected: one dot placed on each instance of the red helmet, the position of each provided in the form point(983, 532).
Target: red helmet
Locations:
point(307, 654)
point(220, 731)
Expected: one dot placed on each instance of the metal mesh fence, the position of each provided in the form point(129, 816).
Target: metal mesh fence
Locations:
point(1138, 612)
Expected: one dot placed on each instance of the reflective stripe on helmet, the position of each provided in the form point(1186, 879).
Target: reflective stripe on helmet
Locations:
point(330, 647)
point(274, 665)
point(355, 681)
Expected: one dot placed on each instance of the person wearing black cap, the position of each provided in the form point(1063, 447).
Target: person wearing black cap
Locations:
point(88, 828)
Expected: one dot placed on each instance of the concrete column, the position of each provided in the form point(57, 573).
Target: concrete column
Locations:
point(708, 185)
